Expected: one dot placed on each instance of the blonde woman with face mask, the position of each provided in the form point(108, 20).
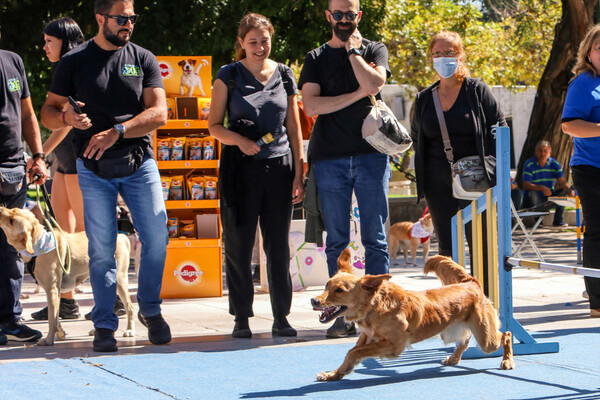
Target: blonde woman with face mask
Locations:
point(470, 110)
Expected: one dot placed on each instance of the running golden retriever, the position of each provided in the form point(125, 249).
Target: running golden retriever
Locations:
point(23, 231)
point(391, 318)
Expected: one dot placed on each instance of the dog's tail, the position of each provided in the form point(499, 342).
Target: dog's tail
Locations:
point(447, 270)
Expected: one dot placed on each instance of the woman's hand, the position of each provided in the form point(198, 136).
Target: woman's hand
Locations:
point(247, 146)
point(298, 190)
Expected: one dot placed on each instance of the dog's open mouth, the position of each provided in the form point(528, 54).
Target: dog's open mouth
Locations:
point(329, 313)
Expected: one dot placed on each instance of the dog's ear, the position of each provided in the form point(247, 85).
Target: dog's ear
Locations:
point(181, 63)
point(193, 62)
point(27, 242)
point(372, 282)
point(343, 261)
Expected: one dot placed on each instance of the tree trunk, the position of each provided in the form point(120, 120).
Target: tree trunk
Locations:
point(545, 122)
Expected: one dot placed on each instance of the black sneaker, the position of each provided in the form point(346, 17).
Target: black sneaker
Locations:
point(158, 329)
point(341, 329)
point(281, 327)
point(104, 340)
point(118, 309)
point(69, 309)
point(3, 338)
point(20, 332)
point(241, 329)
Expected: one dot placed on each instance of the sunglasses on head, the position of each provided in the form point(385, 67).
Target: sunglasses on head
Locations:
point(122, 19)
point(338, 15)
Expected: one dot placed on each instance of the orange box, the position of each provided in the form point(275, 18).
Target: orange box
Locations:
point(186, 76)
point(192, 271)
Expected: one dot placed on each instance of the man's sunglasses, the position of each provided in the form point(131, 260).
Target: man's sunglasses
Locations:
point(122, 19)
point(338, 15)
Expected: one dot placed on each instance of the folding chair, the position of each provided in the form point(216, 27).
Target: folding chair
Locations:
point(518, 215)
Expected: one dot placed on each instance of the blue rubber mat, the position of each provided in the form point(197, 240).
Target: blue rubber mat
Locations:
point(288, 372)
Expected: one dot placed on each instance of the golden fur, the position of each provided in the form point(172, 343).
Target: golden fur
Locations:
point(391, 318)
point(401, 231)
point(23, 230)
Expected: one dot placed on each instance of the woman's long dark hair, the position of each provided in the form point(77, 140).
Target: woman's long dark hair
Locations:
point(67, 30)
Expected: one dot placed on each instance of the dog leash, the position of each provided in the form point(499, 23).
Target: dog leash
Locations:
point(50, 221)
point(400, 168)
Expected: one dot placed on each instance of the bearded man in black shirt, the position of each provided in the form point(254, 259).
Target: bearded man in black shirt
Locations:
point(121, 97)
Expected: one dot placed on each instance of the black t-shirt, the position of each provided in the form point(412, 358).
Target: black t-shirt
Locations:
point(13, 89)
point(265, 105)
point(111, 84)
point(338, 134)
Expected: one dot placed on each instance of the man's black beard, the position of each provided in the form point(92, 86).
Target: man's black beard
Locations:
point(344, 34)
point(114, 39)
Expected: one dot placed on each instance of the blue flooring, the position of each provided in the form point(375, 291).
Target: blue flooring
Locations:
point(288, 372)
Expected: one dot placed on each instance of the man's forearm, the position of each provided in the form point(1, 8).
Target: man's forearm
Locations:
point(367, 76)
point(318, 105)
point(145, 122)
point(52, 117)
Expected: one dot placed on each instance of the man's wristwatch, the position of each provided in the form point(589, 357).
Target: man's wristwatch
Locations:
point(354, 50)
point(39, 155)
point(120, 130)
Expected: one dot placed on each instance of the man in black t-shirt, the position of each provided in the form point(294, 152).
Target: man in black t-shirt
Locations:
point(119, 88)
point(336, 80)
point(17, 119)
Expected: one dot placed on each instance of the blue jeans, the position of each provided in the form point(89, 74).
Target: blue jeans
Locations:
point(368, 176)
point(142, 193)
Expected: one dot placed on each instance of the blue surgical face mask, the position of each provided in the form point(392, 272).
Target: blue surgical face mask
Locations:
point(445, 66)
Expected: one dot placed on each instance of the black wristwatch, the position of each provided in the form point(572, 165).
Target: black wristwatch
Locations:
point(354, 50)
point(39, 155)
point(120, 130)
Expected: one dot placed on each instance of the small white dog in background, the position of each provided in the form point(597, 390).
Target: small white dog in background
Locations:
point(190, 77)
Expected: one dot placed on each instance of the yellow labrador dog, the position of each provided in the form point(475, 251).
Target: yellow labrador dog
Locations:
point(25, 233)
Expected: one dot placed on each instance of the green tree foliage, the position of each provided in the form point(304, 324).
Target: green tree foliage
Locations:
point(178, 28)
point(509, 51)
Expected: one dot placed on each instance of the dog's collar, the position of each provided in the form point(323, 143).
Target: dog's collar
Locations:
point(44, 245)
point(419, 232)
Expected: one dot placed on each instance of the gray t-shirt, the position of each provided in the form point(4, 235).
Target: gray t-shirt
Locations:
point(265, 105)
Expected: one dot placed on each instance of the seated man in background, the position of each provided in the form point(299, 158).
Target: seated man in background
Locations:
point(540, 173)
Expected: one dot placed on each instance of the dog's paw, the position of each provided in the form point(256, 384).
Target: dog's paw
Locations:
point(329, 376)
point(61, 335)
point(450, 361)
point(45, 342)
point(129, 333)
point(92, 332)
point(507, 364)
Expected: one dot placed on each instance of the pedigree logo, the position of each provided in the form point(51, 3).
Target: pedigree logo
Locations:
point(189, 274)
point(165, 69)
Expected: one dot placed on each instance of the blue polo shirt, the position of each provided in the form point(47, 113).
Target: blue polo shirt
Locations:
point(548, 174)
point(583, 102)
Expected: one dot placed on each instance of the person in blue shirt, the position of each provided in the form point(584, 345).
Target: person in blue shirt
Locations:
point(540, 173)
point(581, 120)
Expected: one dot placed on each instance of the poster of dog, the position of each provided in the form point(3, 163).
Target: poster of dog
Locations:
point(186, 76)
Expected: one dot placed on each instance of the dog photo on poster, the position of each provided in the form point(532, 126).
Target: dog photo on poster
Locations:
point(186, 76)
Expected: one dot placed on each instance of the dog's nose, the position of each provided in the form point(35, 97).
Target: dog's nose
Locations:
point(315, 302)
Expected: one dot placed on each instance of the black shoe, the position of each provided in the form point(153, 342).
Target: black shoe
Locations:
point(158, 329)
point(241, 329)
point(341, 329)
point(119, 309)
point(104, 340)
point(3, 338)
point(20, 332)
point(281, 327)
point(68, 309)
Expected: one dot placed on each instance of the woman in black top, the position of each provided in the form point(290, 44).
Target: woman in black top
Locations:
point(470, 110)
point(258, 179)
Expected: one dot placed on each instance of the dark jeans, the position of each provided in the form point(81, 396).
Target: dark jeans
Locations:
point(532, 199)
point(586, 178)
point(442, 207)
point(267, 199)
point(11, 265)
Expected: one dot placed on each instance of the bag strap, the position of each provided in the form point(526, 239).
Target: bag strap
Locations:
point(443, 127)
point(231, 85)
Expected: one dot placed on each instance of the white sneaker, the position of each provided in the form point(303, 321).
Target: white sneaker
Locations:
point(585, 295)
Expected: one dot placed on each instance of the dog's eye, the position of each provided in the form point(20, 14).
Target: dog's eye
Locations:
point(339, 290)
point(12, 220)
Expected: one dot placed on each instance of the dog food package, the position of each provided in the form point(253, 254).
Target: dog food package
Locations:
point(173, 227)
point(177, 148)
point(164, 149)
point(208, 148)
point(196, 187)
point(165, 182)
point(204, 107)
point(176, 188)
point(210, 188)
point(171, 108)
point(188, 229)
point(195, 145)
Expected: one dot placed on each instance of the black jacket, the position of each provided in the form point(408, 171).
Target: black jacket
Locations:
point(486, 113)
